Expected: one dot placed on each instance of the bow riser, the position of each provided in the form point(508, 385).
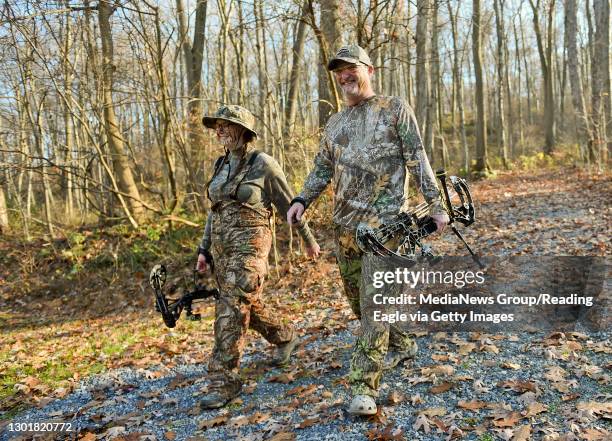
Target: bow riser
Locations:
point(171, 311)
point(410, 228)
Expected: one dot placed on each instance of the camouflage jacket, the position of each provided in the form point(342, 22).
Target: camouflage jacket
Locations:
point(262, 186)
point(366, 150)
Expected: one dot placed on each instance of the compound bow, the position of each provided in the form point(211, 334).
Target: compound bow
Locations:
point(171, 310)
point(411, 227)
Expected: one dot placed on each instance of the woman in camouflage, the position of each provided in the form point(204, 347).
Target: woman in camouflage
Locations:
point(237, 238)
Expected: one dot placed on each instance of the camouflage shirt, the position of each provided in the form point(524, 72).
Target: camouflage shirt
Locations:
point(366, 150)
point(263, 185)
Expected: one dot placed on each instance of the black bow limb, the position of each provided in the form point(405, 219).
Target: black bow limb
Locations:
point(171, 310)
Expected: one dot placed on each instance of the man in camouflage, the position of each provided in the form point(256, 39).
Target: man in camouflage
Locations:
point(237, 238)
point(366, 149)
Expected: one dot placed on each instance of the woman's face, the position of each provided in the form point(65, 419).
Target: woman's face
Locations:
point(229, 134)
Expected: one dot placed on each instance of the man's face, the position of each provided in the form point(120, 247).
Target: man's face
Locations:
point(354, 79)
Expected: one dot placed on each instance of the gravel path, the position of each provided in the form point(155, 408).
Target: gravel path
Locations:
point(163, 404)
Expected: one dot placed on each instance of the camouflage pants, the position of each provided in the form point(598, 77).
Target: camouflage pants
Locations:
point(241, 260)
point(375, 338)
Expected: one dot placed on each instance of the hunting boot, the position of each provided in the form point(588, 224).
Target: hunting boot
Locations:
point(284, 351)
point(362, 405)
point(220, 392)
point(397, 355)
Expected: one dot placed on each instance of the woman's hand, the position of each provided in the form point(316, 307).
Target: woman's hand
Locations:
point(202, 265)
point(313, 251)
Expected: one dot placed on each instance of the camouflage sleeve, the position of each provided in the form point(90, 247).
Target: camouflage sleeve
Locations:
point(280, 194)
point(206, 237)
point(321, 175)
point(416, 159)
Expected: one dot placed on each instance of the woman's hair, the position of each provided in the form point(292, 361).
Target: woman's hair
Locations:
point(248, 136)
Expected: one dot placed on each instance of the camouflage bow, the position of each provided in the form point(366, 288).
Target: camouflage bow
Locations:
point(411, 227)
point(171, 311)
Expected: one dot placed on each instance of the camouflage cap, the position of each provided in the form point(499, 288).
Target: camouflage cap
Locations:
point(352, 53)
point(234, 114)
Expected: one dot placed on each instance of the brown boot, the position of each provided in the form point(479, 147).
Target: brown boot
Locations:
point(220, 393)
point(396, 356)
point(284, 351)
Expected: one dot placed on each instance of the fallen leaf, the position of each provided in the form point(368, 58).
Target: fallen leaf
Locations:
point(465, 349)
point(596, 435)
point(471, 405)
point(594, 408)
point(259, 417)
point(395, 397)
point(443, 369)
point(171, 436)
point(421, 422)
point(523, 433)
point(307, 423)
point(534, 409)
point(217, 421)
point(114, 432)
point(389, 433)
point(283, 436)
point(518, 385)
point(282, 378)
point(433, 411)
point(238, 421)
point(442, 387)
point(302, 391)
point(490, 348)
point(508, 365)
point(508, 420)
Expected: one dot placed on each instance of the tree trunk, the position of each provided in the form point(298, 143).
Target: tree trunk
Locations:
point(193, 55)
point(573, 60)
point(519, 101)
point(545, 54)
point(4, 221)
point(121, 165)
point(422, 68)
point(501, 88)
point(481, 135)
point(601, 99)
point(298, 51)
point(329, 43)
point(434, 127)
point(458, 81)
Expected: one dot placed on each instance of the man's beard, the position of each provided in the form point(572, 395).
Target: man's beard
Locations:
point(354, 88)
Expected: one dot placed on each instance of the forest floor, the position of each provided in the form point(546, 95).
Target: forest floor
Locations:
point(82, 344)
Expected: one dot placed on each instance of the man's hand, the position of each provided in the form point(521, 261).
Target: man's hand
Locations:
point(202, 265)
point(313, 251)
point(294, 215)
point(441, 221)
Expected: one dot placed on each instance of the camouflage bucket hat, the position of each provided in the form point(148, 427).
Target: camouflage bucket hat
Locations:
point(352, 53)
point(234, 114)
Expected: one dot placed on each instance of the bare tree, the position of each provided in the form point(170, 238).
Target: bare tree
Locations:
point(545, 52)
point(422, 69)
point(573, 60)
point(600, 67)
point(482, 166)
point(501, 81)
point(113, 133)
point(298, 51)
